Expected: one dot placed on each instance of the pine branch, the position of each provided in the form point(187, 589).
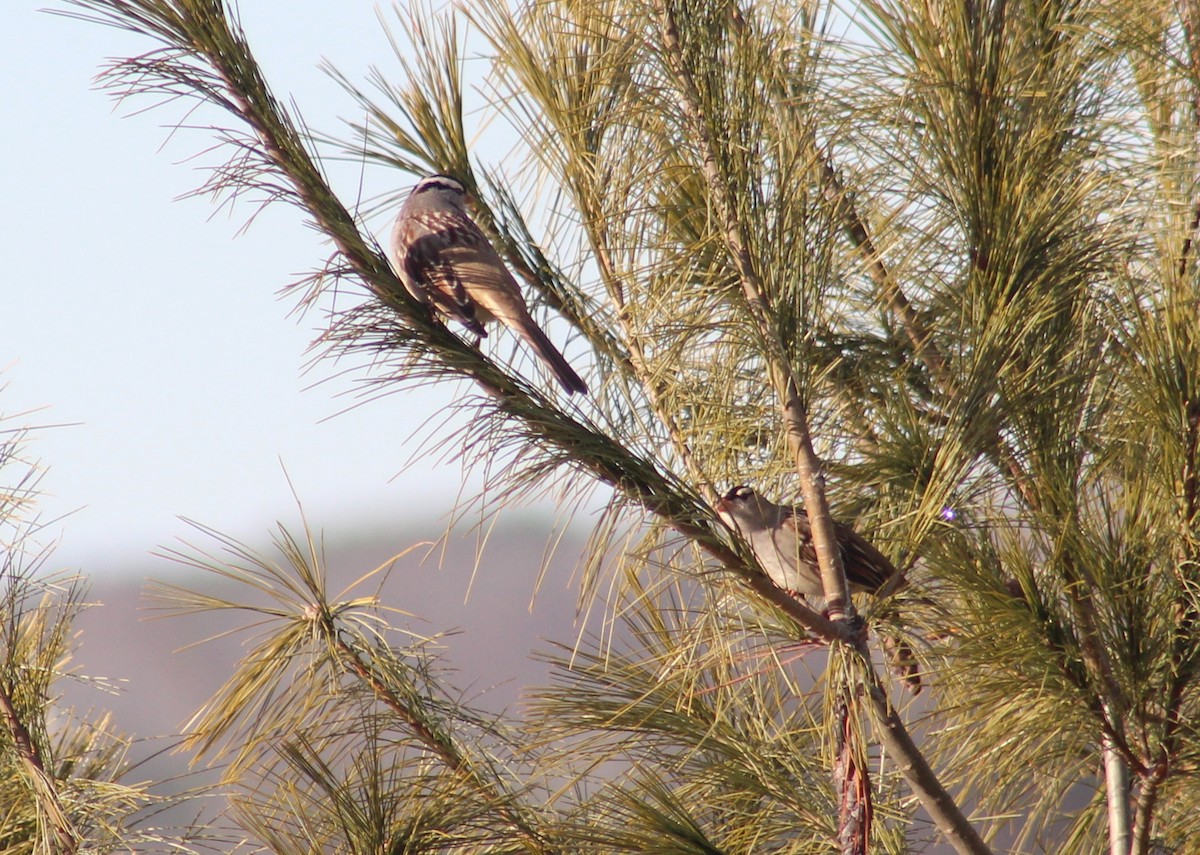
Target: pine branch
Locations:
point(282, 689)
point(65, 841)
point(439, 743)
point(936, 800)
point(205, 33)
point(792, 406)
point(1116, 792)
point(808, 466)
point(1188, 617)
point(1115, 749)
point(1143, 817)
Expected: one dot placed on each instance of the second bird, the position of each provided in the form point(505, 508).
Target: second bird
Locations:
point(446, 262)
point(781, 538)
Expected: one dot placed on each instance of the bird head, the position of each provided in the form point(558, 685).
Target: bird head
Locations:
point(743, 508)
point(445, 188)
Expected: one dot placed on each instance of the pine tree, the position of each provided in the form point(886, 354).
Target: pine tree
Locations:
point(925, 267)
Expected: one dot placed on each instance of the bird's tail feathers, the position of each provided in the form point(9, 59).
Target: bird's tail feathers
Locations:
point(554, 360)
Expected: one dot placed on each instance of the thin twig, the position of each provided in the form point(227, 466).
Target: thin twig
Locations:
point(1116, 793)
point(1188, 14)
point(639, 365)
point(938, 803)
point(919, 337)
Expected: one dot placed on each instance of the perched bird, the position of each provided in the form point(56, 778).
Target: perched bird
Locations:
point(782, 542)
point(446, 262)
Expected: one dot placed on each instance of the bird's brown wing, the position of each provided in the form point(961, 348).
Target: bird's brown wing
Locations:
point(464, 277)
point(488, 283)
point(431, 266)
point(495, 293)
point(865, 565)
point(802, 549)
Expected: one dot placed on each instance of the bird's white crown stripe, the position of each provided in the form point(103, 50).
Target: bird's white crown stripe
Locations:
point(439, 182)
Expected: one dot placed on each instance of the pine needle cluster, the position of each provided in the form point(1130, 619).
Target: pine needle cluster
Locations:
point(928, 267)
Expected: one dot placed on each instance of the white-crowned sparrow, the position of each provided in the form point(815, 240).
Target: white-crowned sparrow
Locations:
point(782, 542)
point(446, 262)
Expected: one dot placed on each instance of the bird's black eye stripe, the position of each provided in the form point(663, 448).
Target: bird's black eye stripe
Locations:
point(438, 182)
point(739, 493)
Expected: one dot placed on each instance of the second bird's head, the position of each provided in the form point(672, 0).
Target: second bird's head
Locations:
point(744, 508)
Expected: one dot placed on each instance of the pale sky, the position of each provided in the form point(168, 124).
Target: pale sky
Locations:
point(152, 329)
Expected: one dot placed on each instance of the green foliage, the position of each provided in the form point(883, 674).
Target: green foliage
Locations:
point(943, 250)
point(65, 780)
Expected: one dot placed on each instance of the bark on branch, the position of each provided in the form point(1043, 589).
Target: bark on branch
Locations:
point(64, 840)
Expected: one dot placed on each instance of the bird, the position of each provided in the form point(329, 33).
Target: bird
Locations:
point(781, 539)
point(446, 262)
